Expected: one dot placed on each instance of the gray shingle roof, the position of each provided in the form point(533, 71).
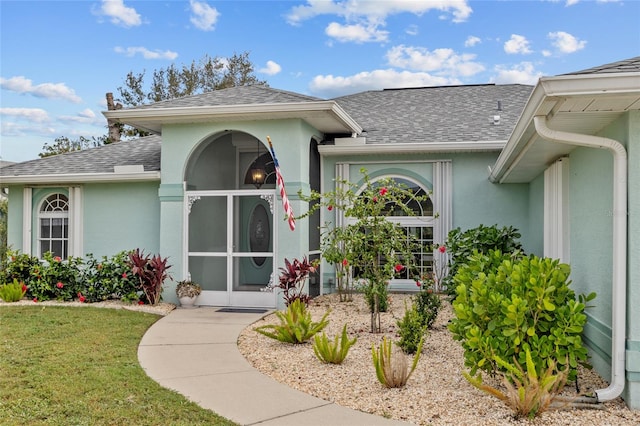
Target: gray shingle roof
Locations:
point(239, 95)
point(437, 114)
point(145, 151)
point(626, 65)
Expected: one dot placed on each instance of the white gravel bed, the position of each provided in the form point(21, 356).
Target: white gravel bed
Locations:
point(159, 309)
point(436, 393)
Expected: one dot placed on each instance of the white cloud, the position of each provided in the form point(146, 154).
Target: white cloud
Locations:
point(356, 33)
point(330, 86)
point(272, 68)
point(565, 42)
point(204, 16)
point(31, 114)
point(363, 18)
point(146, 53)
point(517, 44)
point(522, 73)
point(442, 61)
point(120, 14)
point(23, 85)
point(86, 116)
point(472, 41)
point(412, 30)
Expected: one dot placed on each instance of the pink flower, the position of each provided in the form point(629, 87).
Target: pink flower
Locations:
point(140, 302)
point(330, 207)
point(375, 199)
point(57, 259)
point(383, 191)
point(59, 285)
point(399, 267)
point(99, 265)
point(418, 284)
point(442, 249)
point(35, 300)
point(24, 288)
point(81, 298)
point(124, 275)
point(345, 262)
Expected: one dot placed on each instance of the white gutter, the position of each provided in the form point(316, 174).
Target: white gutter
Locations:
point(80, 178)
point(619, 294)
point(411, 148)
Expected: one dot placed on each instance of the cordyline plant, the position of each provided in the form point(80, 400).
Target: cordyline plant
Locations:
point(151, 272)
point(292, 278)
point(370, 246)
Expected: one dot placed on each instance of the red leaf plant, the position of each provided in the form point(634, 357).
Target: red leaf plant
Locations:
point(292, 278)
point(151, 272)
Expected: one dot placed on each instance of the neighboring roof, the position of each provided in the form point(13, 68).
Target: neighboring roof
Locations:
point(5, 163)
point(103, 160)
point(437, 114)
point(241, 103)
point(583, 103)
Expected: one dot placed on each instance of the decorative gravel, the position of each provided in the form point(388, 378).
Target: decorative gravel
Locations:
point(436, 393)
point(159, 309)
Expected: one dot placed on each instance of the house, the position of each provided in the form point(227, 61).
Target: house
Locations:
point(201, 190)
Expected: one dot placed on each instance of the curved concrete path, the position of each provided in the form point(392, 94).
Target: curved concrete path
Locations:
point(194, 352)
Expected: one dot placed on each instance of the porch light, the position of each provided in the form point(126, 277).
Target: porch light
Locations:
point(256, 174)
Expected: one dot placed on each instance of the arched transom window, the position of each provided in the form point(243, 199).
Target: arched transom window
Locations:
point(53, 226)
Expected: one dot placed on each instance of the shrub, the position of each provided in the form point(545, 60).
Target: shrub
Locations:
point(12, 292)
point(55, 278)
point(527, 393)
point(296, 325)
point(412, 330)
point(108, 278)
point(151, 272)
point(292, 278)
point(16, 265)
point(333, 352)
point(506, 307)
point(461, 244)
point(426, 303)
point(391, 366)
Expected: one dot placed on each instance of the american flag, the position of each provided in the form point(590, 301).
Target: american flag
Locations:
point(285, 201)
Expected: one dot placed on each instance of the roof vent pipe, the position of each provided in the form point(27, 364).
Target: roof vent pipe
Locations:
point(619, 284)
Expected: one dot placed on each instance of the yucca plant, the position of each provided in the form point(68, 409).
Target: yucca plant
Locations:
point(528, 393)
point(333, 352)
point(296, 325)
point(13, 292)
point(391, 365)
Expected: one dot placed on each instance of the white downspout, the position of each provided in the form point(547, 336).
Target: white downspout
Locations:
point(619, 294)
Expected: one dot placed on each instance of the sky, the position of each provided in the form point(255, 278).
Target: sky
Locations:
point(58, 59)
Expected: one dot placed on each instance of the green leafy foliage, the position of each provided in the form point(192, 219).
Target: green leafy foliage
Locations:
point(151, 272)
point(527, 393)
point(412, 330)
point(427, 304)
point(296, 325)
point(461, 244)
point(506, 306)
point(391, 366)
point(55, 278)
point(108, 278)
point(333, 352)
point(12, 292)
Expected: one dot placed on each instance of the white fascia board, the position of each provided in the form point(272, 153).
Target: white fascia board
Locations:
point(411, 148)
point(80, 178)
point(177, 114)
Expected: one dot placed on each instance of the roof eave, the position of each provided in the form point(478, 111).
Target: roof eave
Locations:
point(411, 148)
point(75, 178)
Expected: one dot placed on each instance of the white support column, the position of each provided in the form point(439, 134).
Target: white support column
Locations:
point(27, 218)
point(556, 211)
point(75, 222)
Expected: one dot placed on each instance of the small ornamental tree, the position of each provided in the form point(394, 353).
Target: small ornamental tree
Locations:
point(370, 246)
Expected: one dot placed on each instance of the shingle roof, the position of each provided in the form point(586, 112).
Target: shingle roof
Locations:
point(144, 151)
point(437, 114)
point(239, 95)
point(626, 65)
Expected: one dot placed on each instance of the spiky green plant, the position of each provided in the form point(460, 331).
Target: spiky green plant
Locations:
point(527, 393)
point(391, 366)
point(12, 292)
point(333, 352)
point(296, 325)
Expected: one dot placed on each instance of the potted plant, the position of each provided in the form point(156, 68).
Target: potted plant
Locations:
point(187, 292)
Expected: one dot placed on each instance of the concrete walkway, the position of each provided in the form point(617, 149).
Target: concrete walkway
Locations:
point(194, 352)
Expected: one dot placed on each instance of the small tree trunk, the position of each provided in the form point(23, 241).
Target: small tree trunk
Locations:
point(375, 315)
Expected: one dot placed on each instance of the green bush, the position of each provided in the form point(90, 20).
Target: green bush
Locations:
point(12, 292)
point(16, 265)
point(108, 278)
point(427, 305)
point(296, 325)
point(506, 306)
point(55, 278)
point(461, 244)
point(333, 352)
point(412, 330)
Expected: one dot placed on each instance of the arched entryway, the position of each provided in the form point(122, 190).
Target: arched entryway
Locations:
point(229, 227)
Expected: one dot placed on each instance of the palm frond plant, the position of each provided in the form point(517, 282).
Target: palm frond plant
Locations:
point(333, 352)
point(296, 325)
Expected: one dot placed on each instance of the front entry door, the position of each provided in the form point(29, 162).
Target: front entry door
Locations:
point(230, 241)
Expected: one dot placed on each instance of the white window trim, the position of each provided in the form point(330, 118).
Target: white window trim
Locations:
point(48, 215)
point(556, 211)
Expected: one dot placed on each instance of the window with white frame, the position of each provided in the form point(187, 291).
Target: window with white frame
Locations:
point(53, 226)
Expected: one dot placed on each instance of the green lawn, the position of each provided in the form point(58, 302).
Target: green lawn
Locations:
point(79, 366)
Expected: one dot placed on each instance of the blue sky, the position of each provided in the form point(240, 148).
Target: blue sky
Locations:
point(59, 58)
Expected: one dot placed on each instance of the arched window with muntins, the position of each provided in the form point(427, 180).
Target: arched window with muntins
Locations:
point(53, 226)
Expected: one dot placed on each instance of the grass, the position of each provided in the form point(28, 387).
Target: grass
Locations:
point(79, 366)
